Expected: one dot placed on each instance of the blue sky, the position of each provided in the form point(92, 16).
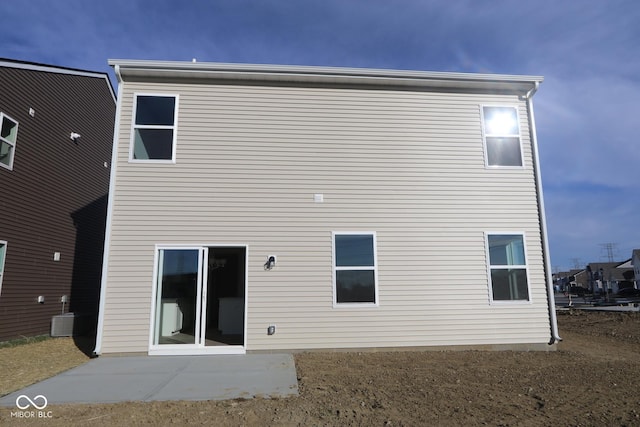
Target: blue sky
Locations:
point(588, 51)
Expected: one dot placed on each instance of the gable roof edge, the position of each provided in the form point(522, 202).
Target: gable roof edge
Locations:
point(33, 66)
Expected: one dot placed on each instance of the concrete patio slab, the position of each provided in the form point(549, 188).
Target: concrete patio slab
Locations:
point(149, 378)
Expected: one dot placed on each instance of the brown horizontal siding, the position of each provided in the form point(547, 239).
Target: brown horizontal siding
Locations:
point(56, 196)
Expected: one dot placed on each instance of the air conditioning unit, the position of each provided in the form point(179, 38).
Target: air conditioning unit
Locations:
point(68, 324)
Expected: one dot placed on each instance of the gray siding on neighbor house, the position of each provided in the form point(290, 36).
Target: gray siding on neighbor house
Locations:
point(54, 199)
point(408, 165)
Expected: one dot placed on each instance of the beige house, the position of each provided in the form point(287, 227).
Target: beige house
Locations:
point(259, 208)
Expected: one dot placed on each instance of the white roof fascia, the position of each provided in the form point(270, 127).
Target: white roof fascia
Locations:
point(142, 69)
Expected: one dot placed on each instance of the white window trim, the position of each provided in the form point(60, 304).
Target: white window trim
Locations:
point(485, 135)
point(525, 267)
point(3, 263)
point(134, 127)
point(335, 268)
point(12, 144)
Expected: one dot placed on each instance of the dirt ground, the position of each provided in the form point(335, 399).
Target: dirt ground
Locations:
point(592, 380)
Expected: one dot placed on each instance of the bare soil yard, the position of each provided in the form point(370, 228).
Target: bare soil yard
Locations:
point(592, 380)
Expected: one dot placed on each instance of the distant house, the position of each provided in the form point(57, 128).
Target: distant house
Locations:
point(260, 208)
point(55, 149)
point(635, 262)
point(565, 279)
point(622, 276)
point(606, 276)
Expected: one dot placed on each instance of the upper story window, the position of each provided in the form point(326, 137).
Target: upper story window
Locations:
point(501, 136)
point(354, 267)
point(507, 267)
point(154, 128)
point(8, 136)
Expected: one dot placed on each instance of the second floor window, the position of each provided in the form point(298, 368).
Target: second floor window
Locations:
point(501, 136)
point(8, 136)
point(154, 128)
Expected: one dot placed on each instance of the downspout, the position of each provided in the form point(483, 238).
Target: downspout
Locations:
point(543, 220)
point(107, 235)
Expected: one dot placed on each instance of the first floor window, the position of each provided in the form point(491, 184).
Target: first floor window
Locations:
point(154, 128)
point(507, 267)
point(3, 253)
point(8, 136)
point(354, 268)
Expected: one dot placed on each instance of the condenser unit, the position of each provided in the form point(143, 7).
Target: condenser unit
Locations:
point(69, 324)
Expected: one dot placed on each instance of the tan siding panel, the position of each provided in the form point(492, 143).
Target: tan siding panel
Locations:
point(407, 165)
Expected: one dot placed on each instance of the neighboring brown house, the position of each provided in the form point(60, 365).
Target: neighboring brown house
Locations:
point(55, 159)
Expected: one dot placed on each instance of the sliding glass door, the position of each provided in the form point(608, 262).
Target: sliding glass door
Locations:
point(199, 300)
point(178, 297)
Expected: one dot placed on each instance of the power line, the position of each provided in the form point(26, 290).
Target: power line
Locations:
point(610, 248)
point(577, 263)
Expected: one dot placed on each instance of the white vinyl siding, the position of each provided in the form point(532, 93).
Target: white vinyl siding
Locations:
point(409, 165)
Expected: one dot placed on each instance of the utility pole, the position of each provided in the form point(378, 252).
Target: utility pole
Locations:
point(610, 248)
